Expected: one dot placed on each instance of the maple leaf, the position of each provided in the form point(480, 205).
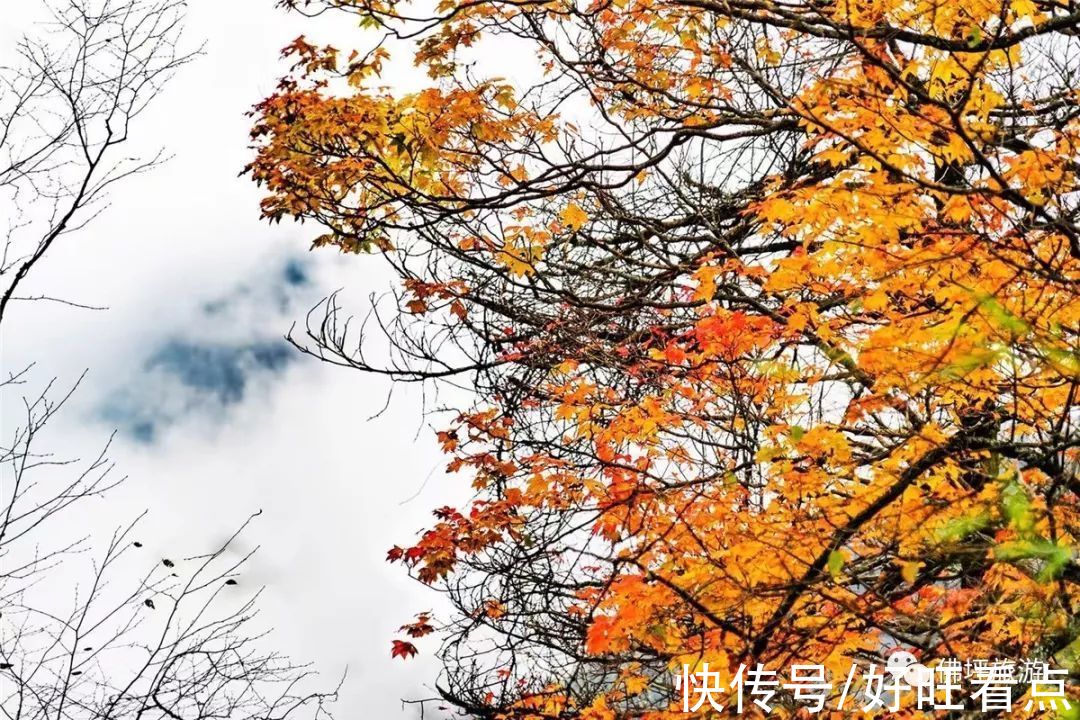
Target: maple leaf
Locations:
point(417, 630)
point(403, 650)
point(573, 216)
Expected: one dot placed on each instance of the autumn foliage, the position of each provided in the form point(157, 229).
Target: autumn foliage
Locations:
point(769, 310)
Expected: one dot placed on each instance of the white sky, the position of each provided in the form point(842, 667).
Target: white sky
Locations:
point(336, 490)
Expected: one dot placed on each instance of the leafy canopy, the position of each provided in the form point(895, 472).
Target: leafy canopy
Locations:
point(769, 313)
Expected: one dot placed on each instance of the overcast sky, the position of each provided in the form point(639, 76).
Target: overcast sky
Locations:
point(216, 417)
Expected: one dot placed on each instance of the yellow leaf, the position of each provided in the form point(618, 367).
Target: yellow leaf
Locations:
point(910, 571)
point(573, 216)
point(635, 684)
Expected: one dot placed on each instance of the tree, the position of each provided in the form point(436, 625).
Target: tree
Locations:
point(92, 629)
point(121, 635)
point(769, 311)
point(66, 109)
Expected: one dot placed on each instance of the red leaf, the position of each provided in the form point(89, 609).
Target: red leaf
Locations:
point(418, 629)
point(403, 650)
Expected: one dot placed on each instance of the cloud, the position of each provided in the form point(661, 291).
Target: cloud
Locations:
point(223, 352)
point(296, 273)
